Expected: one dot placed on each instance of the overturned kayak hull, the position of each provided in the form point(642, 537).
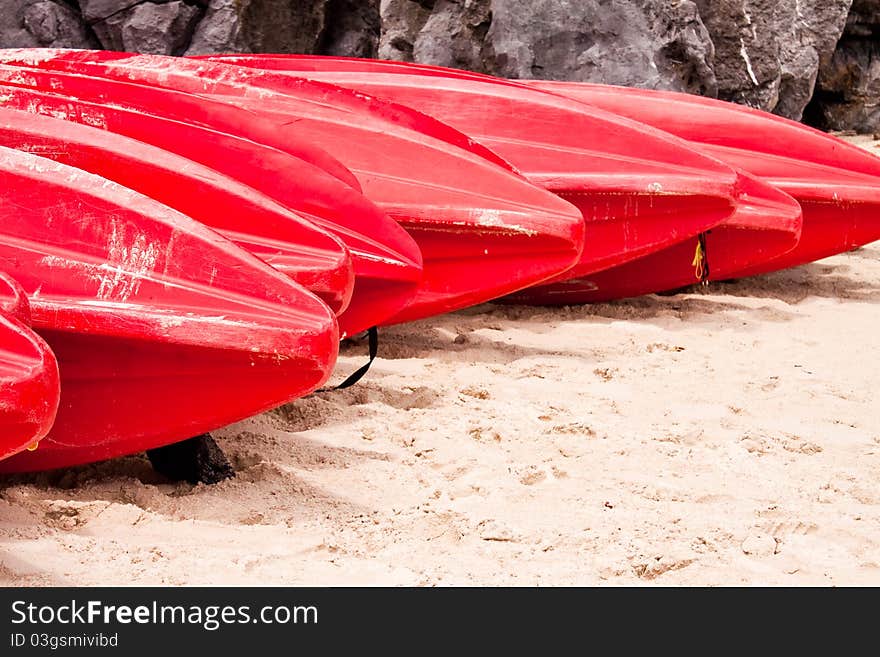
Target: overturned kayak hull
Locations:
point(386, 261)
point(837, 184)
point(162, 328)
point(635, 200)
point(642, 241)
point(141, 396)
point(29, 381)
point(841, 208)
point(309, 255)
point(764, 229)
point(465, 209)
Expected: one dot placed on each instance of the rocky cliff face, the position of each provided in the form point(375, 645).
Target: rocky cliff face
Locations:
point(848, 89)
point(627, 42)
point(331, 27)
point(770, 54)
point(178, 27)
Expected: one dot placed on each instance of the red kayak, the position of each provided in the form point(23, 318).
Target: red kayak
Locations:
point(29, 387)
point(465, 211)
point(309, 255)
point(387, 262)
point(523, 126)
point(162, 328)
point(765, 226)
point(635, 200)
point(837, 184)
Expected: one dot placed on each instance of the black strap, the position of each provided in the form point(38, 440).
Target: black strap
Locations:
point(358, 374)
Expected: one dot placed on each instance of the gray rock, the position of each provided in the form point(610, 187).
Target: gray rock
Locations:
point(41, 23)
point(686, 54)
point(746, 52)
point(219, 31)
point(649, 43)
point(629, 42)
point(848, 89)
point(94, 11)
point(338, 27)
point(808, 45)
point(282, 25)
point(351, 29)
point(768, 52)
point(151, 28)
point(455, 35)
point(278, 26)
point(401, 23)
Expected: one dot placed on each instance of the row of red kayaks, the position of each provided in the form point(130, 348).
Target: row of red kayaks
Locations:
point(183, 242)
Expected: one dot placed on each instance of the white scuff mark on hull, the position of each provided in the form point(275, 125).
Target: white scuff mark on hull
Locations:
point(61, 113)
point(487, 217)
point(127, 265)
point(492, 218)
point(95, 119)
point(375, 257)
point(23, 79)
point(30, 56)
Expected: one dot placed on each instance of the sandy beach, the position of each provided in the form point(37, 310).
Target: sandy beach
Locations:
point(720, 436)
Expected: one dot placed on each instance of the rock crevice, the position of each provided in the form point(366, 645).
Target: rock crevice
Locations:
point(848, 88)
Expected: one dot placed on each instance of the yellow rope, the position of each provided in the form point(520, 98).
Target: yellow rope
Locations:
point(697, 264)
point(701, 260)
